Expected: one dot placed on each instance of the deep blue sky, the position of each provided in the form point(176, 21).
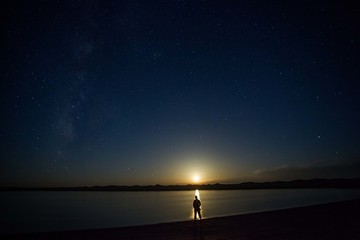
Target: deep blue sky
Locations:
point(146, 92)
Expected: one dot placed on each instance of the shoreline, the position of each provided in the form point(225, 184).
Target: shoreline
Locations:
point(336, 220)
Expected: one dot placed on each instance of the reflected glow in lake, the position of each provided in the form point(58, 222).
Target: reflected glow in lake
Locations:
point(52, 211)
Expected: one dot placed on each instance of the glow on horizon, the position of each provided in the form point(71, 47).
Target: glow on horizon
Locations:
point(196, 168)
point(196, 178)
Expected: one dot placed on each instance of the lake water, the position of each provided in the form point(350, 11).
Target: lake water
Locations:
point(22, 212)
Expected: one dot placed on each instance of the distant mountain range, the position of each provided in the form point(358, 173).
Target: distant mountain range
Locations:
point(295, 184)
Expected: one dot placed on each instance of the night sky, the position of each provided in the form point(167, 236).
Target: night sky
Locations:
point(156, 92)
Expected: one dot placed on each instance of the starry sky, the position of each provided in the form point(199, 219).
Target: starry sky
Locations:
point(156, 92)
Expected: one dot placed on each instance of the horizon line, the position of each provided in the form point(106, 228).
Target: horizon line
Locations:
point(217, 184)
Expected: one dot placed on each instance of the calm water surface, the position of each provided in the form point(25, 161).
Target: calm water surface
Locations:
point(23, 212)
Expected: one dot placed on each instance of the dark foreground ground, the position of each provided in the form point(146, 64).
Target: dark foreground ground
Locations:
point(339, 220)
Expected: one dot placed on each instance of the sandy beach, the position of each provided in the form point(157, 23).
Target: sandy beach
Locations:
point(338, 220)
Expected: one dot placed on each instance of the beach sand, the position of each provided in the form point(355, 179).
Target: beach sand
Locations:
point(340, 220)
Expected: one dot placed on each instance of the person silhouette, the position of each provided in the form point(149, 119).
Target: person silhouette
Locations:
point(196, 206)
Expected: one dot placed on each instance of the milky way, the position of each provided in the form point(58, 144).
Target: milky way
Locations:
point(147, 92)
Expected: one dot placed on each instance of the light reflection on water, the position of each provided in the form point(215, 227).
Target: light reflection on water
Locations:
point(197, 193)
point(50, 211)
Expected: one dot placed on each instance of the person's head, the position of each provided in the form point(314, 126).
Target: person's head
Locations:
point(195, 197)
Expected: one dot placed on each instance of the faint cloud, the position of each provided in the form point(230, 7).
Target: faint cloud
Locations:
point(258, 172)
point(326, 170)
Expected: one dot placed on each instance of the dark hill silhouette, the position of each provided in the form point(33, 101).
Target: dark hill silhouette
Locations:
point(295, 184)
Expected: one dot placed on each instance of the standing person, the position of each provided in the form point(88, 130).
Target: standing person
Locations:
point(196, 205)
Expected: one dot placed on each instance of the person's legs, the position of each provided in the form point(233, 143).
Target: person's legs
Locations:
point(197, 211)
